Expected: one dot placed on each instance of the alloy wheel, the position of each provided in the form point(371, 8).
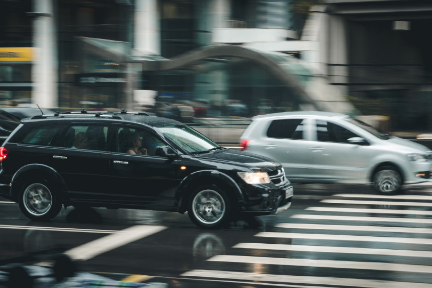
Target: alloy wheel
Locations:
point(388, 181)
point(208, 207)
point(37, 199)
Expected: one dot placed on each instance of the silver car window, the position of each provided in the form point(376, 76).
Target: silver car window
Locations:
point(331, 132)
point(287, 129)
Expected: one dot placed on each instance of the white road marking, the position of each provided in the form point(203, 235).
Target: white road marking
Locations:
point(355, 218)
point(313, 280)
point(369, 196)
point(110, 242)
point(55, 229)
point(406, 268)
point(378, 211)
point(355, 228)
point(359, 202)
point(332, 249)
point(345, 238)
point(7, 202)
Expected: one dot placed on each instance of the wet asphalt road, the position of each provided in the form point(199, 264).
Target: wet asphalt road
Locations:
point(332, 236)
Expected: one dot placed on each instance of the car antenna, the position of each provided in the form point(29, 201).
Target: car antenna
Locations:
point(40, 109)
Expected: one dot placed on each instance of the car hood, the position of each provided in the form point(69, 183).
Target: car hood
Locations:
point(240, 158)
point(407, 144)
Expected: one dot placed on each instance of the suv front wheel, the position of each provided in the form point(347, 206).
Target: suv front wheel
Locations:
point(38, 201)
point(209, 207)
point(387, 180)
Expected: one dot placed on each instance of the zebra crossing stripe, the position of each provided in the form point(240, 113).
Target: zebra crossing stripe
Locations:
point(390, 203)
point(356, 218)
point(255, 278)
point(377, 211)
point(404, 197)
point(334, 264)
point(354, 228)
point(345, 238)
point(332, 249)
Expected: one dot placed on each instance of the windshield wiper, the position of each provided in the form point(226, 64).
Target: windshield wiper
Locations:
point(216, 148)
point(208, 151)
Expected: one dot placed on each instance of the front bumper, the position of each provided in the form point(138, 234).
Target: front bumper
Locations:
point(278, 200)
point(418, 172)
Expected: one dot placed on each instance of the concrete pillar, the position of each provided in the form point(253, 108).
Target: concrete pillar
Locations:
point(44, 70)
point(221, 13)
point(147, 28)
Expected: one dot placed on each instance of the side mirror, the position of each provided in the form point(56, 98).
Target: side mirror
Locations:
point(357, 140)
point(165, 151)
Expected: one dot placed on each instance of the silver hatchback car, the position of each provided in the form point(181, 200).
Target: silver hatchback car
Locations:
point(322, 147)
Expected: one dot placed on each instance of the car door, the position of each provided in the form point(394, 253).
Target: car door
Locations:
point(84, 161)
point(142, 180)
point(288, 141)
point(333, 156)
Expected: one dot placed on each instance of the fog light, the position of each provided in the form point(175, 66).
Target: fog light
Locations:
point(421, 175)
point(183, 167)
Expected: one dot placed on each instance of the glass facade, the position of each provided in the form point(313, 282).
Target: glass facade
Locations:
point(94, 19)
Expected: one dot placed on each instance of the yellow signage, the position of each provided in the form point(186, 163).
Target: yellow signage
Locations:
point(16, 54)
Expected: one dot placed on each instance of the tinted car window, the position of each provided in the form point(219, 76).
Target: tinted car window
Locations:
point(91, 137)
point(330, 132)
point(126, 141)
point(286, 129)
point(45, 136)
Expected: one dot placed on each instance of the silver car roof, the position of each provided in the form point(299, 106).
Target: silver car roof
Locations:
point(301, 113)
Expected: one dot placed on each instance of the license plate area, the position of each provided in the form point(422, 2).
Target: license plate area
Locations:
point(289, 192)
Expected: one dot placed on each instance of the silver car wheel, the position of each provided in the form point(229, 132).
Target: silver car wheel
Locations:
point(387, 181)
point(37, 199)
point(208, 206)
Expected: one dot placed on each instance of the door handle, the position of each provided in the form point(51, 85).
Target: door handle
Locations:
point(121, 162)
point(270, 146)
point(316, 149)
point(59, 157)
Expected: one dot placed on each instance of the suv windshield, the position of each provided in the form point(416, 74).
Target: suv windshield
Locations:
point(188, 139)
point(377, 133)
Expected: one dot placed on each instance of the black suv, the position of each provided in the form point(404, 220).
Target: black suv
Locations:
point(132, 160)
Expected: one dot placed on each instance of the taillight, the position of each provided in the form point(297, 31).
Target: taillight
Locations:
point(244, 144)
point(3, 153)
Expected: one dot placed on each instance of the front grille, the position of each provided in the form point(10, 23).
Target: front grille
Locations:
point(277, 176)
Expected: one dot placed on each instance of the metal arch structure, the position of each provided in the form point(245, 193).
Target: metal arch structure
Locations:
point(318, 92)
point(258, 57)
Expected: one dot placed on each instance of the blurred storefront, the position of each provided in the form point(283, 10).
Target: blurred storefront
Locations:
point(16, 53)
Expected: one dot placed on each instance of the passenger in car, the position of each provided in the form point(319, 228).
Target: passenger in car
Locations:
point(80, 141)
point(135, 145)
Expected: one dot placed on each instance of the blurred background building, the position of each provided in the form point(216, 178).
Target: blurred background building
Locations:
point(208, 59)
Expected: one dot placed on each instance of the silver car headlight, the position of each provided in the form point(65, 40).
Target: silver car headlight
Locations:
point(417, 157)
point(254, 177)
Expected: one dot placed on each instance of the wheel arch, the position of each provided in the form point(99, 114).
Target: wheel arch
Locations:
point(387, 163)
point(199, 178)
point(33, 171)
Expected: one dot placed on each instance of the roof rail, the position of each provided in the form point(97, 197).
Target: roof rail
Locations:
point(132, 113)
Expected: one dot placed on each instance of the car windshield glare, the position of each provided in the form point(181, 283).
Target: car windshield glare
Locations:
point(376, 132)
point(188, 139)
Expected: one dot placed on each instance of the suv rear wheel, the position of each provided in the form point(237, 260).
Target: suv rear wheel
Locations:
point(38, 200)
point(387, 180)
point(209, 207)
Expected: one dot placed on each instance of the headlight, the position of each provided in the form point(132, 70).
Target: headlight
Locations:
point(254, 177)
point(417, 157)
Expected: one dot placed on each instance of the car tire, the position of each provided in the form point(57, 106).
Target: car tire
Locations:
point(209, 207)
point(39, 201)
point(387, 180)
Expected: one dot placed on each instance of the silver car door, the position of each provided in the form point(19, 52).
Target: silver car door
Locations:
point(336, 159)
point(288, 142)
